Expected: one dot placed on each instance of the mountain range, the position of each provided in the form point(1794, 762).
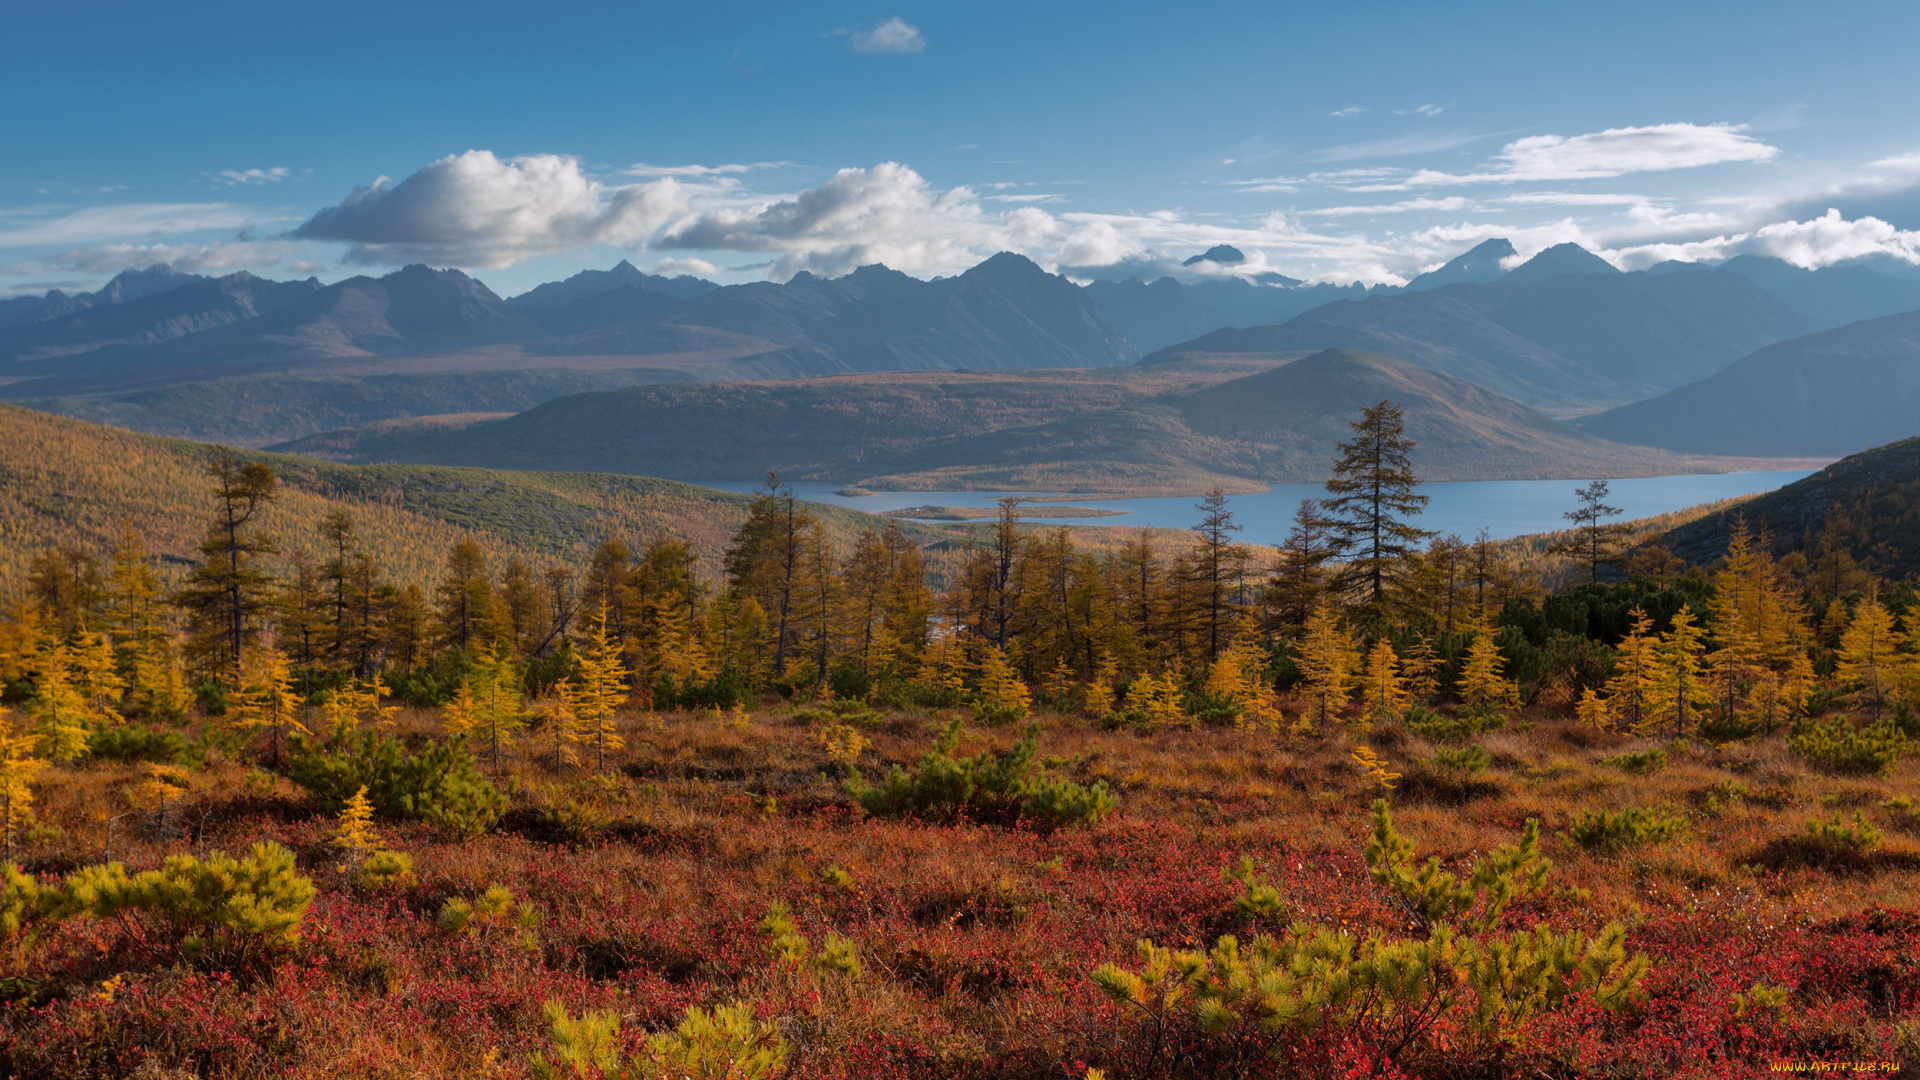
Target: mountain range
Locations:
point(1173, 427)
point(253, 362)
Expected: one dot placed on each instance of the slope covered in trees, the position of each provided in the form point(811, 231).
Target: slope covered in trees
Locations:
point(1863, 510)
point(1830, 393)
point(70, 484)
point(1168, 427)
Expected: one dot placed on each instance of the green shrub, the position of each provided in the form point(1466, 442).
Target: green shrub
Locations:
point(1837, 745)
point(386, 870)
point(725, 1044)
point(1602, 829)
point(1458, 728)
point(491, 912)
point(1316, 978)
point(1725, 729)
point(1257, 897)
point(724, 690)
point(134, 742)
point(440, 785)
point(1469, 759)
point(1639, 762)
point(1837, 837)
point(433, 683)
point(1725, 794)
point(220, 905)
point(1006, 786)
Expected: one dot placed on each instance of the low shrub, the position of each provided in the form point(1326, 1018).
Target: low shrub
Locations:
point(1639, 762)
point(385, 870)
point(1837, 837)
point(725, 1044)
point(1458, 728)
point(726, 689)
point(440, 785)
point(1004, 786)
point(218, 906)
point(1468, 759)
point(1632, 827)
point(135, 742)
point(1838, 746)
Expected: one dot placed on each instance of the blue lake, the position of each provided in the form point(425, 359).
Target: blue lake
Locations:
point(1502, 507)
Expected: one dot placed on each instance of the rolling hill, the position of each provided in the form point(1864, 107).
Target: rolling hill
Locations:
point(1174, 427)
point(1821, 395)
point(65, 482)
point(1873, 497)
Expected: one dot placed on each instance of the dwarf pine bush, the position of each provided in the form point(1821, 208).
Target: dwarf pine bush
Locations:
point(724, 1044)
point(1390, 991)
point(1257, 897)
point(1837, 745)
point(441, 785)
point(220, 905)
point(1837, 837)
point(386, 870)
point(1471, 758)
point(491, 912)
point(1639, 762)
point(1005, 785)
point(1632, 827)
point(837, 955)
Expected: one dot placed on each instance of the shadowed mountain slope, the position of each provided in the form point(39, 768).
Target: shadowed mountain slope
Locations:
point(1828, 393)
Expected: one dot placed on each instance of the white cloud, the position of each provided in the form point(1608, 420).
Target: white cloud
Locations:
point(696, 267)
point(474, 209)
point(1053, 197)
point(1818, 242)
point(96, 223)
point(1446, 205)
point(1351, 110)
point(886, 214)
point(1418, 142)
point(1431, 110)
point(1613, 152)
point(702, 171)
point(186, 258)
point(253, 177)
point(1571, 198)
point(895, 37)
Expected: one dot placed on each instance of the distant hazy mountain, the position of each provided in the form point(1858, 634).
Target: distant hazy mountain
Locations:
point(1571, 342)
point(191, 305)
point(1166, 312)
point(1832, 295)
point(1004, 313)
point(591, 283)
point(125, 286)
point(1107, 430)
point(1834, 392)
point(1477, 267)
point(1874, 497)
point(1224, 254)
point(1556, 260)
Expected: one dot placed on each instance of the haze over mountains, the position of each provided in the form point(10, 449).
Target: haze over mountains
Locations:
point(1683, 354)
point(1171, 427)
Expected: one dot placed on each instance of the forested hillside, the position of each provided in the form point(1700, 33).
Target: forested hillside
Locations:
point(65, 484)
point(1863, 510)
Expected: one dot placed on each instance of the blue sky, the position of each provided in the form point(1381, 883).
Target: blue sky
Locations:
point(745, 141)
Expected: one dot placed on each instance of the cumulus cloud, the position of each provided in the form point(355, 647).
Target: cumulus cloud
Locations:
point(253, 177)
point(475, 209)
point(888, 213)
point(896, 37)
point(1822, 241)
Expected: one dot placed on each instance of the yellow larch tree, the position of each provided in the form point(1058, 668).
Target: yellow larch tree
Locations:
point(1869, 656)
point(599, 690)
point(353, 832)
point(1630, 692)
point(1483, 682)
point(498, 700)
point(459, 714)
point(59, 710)
point(1383, 689)
point(1679, 689)
point(17, 771)
point(1326, 661)
point(561, 718)
point(270, 702)
point(1004, 698)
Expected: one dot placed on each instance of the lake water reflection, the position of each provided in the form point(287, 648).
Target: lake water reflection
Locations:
point(1503, 507)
